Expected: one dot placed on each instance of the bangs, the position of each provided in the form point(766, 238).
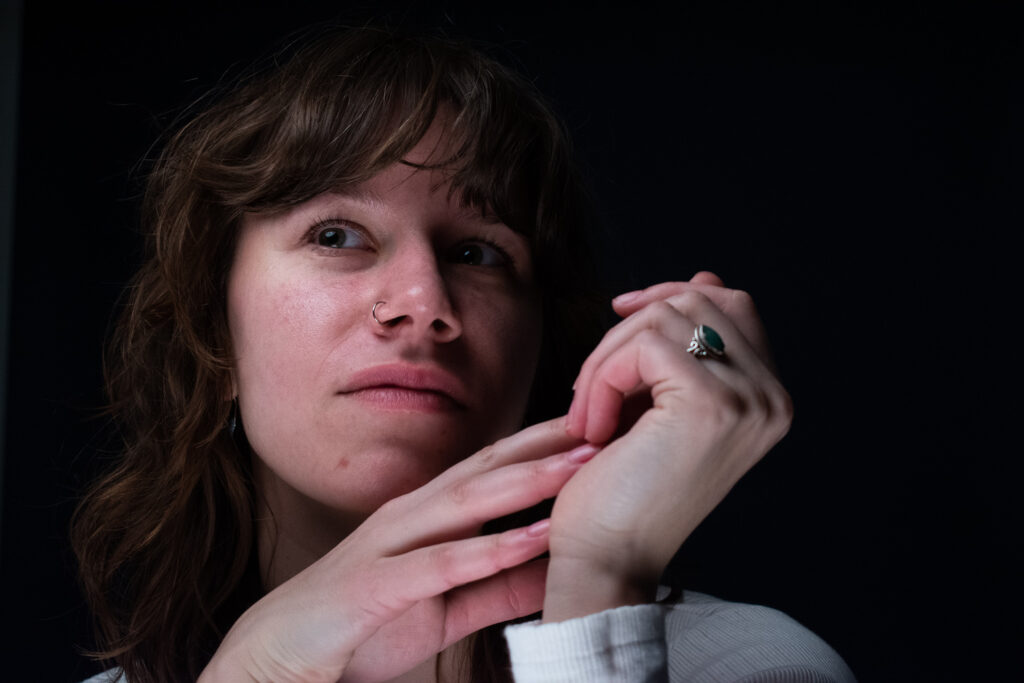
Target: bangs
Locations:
point(342, 110)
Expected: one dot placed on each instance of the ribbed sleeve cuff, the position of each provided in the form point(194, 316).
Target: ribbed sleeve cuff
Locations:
point(621, 644)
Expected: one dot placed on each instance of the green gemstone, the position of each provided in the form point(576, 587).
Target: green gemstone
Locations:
point(711, 339)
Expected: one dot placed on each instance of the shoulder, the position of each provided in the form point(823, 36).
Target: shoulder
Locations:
point(108, 676)
point(713, 640)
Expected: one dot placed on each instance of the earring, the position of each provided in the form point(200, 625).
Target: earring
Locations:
point(233, 417)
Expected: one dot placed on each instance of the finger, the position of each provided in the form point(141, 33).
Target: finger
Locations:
point(737, 304)
point(654, 361)
point(730, 312)
point(655, 316)
point(536, 441)
point(513, 593)
point(610, 375)
point(630, 302)
point(397, 583)
point(674, 319)
point(461, 508)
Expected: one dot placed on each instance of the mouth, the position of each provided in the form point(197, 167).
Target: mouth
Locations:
point(404, 398)
point(409, 388)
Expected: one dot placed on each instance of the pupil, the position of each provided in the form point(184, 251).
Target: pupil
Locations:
point(330, 238)
point(472, 254)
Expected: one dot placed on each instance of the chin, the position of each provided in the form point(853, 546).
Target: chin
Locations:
point(366, 481)
point(377, 461)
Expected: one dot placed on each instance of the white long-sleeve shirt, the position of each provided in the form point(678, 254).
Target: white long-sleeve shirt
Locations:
point(699, 639)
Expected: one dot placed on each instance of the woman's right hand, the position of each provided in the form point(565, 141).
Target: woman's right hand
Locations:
point(415, 577)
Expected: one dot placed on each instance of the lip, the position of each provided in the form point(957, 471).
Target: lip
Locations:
point(407, 386)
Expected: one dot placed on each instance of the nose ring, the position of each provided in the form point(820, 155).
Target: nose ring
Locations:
point(373, 314)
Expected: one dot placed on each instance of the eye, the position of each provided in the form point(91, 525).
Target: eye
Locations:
point(335, 235)
point(481, 253)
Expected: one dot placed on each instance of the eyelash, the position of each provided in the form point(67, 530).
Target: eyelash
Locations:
point(319, 225)
point(509, 262)
point(314, 230)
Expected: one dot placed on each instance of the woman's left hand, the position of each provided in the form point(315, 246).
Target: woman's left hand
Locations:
point(702, 423)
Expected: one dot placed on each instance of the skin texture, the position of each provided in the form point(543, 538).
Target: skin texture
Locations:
point(414, 578)
point(702, 425)
point(374, 509)
point(300, 320)
point(361, 541)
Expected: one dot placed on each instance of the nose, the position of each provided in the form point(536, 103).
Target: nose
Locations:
point(414, 301)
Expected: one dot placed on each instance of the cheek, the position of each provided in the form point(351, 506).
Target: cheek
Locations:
point(284, 326)
point(513, 346)
point(270, 324)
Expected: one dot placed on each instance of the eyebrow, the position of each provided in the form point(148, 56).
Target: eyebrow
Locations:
point(375, 199)
point(360, 194)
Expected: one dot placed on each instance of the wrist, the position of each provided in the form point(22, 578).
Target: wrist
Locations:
point(577, 588)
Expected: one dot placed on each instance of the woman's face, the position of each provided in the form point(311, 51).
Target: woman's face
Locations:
point(348, 412)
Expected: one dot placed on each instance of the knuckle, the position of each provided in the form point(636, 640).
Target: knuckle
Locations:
point(445, 564)
point(742, 300)
point(457, 621)
point(783, 411)
point(375, 597)
point(485, 459)
point(659, 309)
point(608, 334)
point(648, 336)
point(721, 409)
point(735, 406)
point(498, 549)
point(460, 492)
point(391, 510)
point(689, 301)
point(656, 313)
point(606, 338)
point(393, 506)
point(486, 456)
point(515, 600)
point(761, 403)
point(553, 428)
point(538, 469)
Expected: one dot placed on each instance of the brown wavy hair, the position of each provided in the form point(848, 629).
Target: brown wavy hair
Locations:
point(166, 540)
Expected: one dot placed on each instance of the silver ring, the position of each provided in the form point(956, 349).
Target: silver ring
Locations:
point(706, 343)
point(373, 313)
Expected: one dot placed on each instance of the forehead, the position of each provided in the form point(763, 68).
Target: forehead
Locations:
point(424, 172)
point(436, 145)
point(399, 192)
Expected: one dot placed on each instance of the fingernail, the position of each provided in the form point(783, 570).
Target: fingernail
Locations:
point(582, 454)
point(538, 528)
point(627, 297)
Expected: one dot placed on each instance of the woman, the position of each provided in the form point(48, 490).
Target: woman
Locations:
point(367, 272)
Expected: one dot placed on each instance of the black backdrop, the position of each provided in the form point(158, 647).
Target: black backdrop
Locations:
point(852, 167)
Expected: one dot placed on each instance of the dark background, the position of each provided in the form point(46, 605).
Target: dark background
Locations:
point(854, 168)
